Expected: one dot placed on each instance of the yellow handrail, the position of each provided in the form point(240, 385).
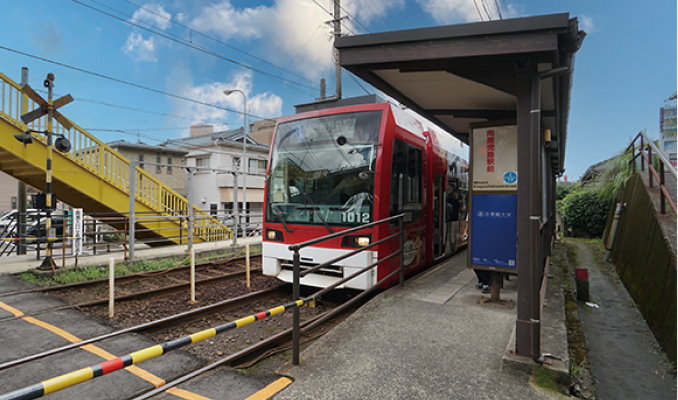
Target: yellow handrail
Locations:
point(101, 160)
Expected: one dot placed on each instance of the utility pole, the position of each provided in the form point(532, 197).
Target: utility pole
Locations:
point(48, 262)
point(337, 34)
point(21, 188)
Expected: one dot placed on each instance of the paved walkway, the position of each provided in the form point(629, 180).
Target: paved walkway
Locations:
point(626, 360)
point(428, 340)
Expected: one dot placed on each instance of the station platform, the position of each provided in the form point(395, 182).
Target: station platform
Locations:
point(14, 264)
point(431, 339)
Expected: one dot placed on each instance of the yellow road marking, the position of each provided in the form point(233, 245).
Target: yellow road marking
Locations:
point(185, 394)
point(143, 374)
point(270, 390)
point(11, 309)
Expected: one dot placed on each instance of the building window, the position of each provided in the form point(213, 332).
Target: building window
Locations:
point(169, 165)
point(202, 162)
point(213, 209)
point(158, 168)
point(141, 161)
point(258, 166)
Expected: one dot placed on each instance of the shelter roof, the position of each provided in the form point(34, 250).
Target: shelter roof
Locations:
point(462, 75)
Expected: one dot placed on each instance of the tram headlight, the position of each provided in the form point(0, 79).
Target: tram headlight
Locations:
point(356, 241)
point(272, 234)
point(362, 241)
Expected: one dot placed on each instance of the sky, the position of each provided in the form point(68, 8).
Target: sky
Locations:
point(147, 70)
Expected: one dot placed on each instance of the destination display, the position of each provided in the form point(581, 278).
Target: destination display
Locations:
point(495, 158)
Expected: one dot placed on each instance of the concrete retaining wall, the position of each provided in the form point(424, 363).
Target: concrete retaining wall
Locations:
point(646, 263)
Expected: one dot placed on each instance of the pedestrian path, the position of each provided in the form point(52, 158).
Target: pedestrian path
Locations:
point(626, 360)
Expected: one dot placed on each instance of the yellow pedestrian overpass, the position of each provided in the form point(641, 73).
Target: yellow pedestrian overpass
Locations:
point(94, 177)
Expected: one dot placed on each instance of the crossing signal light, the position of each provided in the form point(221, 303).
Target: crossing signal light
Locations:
point(62, 144)
point(25, 138)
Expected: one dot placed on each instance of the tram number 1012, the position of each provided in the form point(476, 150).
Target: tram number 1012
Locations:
point(355, 217)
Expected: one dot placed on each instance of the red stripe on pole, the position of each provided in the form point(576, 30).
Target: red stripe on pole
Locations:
point(581, 273)
point(260, 315)
point(112, 365)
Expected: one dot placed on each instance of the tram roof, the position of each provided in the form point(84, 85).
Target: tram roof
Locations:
point(460, 75)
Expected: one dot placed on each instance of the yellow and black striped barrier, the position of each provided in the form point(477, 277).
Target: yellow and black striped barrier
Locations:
point(83, 375)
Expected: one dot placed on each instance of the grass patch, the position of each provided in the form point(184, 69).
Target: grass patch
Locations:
point(93, 272)
point(585, 240)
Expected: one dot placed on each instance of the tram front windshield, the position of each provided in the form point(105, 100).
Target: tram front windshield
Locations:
point(322, 170)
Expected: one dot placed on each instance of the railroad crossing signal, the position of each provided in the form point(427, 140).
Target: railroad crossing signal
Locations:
point(44, 107)
point(61, 144)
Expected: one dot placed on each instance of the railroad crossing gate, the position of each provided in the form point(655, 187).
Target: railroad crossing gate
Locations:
point(503, 87)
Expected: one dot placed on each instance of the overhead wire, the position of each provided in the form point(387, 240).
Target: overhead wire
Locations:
point(219, 41)
point(496, 4)
point(388, 10)
point(475, 3)
point(489, 16)
point(350, 15)
point(136, 85)
point(196, 47)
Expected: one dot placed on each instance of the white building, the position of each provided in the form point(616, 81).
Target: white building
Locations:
point(218, 155)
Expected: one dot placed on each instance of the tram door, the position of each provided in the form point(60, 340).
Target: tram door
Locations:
point(439, 217)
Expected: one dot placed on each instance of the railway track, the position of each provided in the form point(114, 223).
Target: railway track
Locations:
point(133, 280)
point(168, 321)
point(138, 277)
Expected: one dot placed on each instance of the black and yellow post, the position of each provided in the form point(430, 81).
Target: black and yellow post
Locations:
point(47, 107)
point(48, 262)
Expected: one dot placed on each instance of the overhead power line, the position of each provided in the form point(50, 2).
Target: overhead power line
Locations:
point(221, 42)
point(196, 47)
point(110, 78)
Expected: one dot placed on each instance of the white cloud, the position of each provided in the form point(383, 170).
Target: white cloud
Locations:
point(228, 22)
point(452, 11)
point(259, 105)
point(586, 24)
point(136, 46)
point(292, 32)
point(368, 11)
point(153, 14)
point(139, 48)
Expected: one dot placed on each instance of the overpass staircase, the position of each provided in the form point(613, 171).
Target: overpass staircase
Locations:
point(94, 177)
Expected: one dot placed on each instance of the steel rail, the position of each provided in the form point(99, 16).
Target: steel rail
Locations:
point(162, 290)
point(230, 303)
point(122, 278)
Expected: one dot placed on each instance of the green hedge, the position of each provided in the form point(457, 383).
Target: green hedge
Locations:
point(584, 212)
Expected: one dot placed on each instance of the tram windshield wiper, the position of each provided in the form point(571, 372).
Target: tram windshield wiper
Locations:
point(320, 215)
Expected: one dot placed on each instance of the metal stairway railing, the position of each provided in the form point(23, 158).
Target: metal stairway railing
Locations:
point(100, 160)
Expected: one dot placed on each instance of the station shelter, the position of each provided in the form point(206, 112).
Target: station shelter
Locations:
point(503, 87)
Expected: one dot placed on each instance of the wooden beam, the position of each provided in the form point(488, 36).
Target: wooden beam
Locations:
point(449, 49)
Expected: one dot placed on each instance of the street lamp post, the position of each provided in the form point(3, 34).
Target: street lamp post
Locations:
point(244, 158)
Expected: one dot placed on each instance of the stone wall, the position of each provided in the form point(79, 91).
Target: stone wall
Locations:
point(646, 262)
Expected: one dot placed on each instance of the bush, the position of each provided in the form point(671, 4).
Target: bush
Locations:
point(585, 212)
point(563, 190)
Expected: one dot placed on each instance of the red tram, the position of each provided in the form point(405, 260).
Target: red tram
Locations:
point(334, 169)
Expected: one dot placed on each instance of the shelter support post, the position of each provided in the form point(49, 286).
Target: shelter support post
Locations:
point(525, 320)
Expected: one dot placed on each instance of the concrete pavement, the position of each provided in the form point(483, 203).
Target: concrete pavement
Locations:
point(429, 340)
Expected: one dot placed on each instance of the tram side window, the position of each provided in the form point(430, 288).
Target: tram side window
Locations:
point(406, 173)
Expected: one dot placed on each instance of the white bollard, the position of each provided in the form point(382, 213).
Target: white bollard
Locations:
point(111, 287)
point(247, 264)
point(192, 275)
